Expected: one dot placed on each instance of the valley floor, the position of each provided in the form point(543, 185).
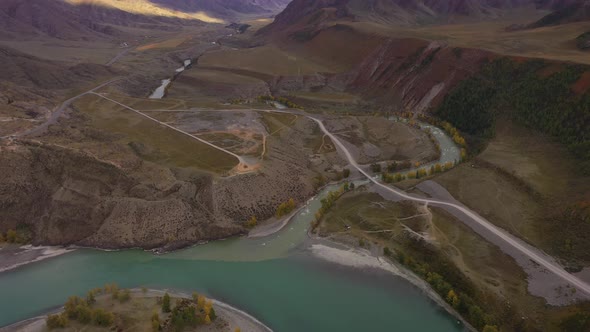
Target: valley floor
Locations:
point(217, 154)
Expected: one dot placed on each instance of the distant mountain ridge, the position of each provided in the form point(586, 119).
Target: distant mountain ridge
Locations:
point(226, 8)
point(302, 14)
point(212, 11)
point(62, 20)
point(91, 19)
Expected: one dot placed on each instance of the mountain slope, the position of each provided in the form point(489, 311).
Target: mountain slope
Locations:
point(29, 71)
point(583, 41)
point(63, 20)
point(578, 11)
point(30, 87)
point(554, 4)
point(225, 9)
point(52, 18)
point(432, 11)
point(304, 13)
point(92, 19)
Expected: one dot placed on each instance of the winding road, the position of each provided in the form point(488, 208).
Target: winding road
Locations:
point(54, 116)
point(535, 256)
point(551, 266)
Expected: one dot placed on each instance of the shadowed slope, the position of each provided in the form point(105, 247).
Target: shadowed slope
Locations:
point(77, 19)
point(576, 12)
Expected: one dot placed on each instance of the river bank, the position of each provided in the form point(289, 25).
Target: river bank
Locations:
point(160, 91)
point(233, 317)
point(13, 256)
point(272, 226)
point(340, 250)
point(290, 235)
point(236, 271)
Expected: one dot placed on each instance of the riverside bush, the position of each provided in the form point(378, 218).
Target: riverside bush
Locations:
point(57, 321)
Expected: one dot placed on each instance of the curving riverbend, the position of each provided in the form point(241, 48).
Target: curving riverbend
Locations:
point(276, 279)
point(282, 280)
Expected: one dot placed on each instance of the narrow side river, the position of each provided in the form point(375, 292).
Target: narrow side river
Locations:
point(276, 279)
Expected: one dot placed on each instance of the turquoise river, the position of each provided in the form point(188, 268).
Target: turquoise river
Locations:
point(276, 279)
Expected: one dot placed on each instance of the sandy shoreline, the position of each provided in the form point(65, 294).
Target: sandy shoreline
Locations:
point(271, 228)
point(344, 254)
point(13, 256)
point(233, 316)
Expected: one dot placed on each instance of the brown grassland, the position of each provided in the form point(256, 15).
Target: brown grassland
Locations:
point(165, 146)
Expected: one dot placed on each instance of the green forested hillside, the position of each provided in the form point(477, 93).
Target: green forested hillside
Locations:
point(534, 93)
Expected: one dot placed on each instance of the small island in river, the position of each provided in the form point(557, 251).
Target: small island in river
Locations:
point(114, 309)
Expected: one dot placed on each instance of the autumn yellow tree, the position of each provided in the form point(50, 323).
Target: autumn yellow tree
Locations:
point(453, 299)
point(11, 236)
point(459, 140)
point(448, 165)
point(207, 320)
point(201, 301)
point(422, 173)
point(437, 168)
point(207, 307)
point(71, 306)
point(285, 208)
point(252, 222)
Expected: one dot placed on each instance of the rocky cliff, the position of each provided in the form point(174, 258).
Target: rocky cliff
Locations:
point(113, 198)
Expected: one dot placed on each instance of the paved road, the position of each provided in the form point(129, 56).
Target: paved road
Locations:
point(56, 113)
point(536, 257)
